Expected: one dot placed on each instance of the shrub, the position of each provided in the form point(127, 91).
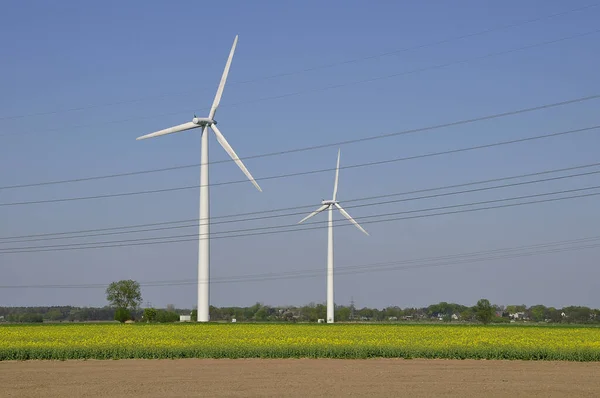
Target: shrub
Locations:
point(122, 315)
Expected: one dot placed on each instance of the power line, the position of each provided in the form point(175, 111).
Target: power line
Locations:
point(253, 231)
point(389, 267)
point(474, 254)
point(467, 261)
point(335, 86)
point(303, 173)
point(321, 146)
point(372, 265)
point(310, 69)
point(425, 262)
point(310, 205)
point(54, 237)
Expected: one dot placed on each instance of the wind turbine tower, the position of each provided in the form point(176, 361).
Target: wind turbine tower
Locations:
point(204, 219)
point(329, 205)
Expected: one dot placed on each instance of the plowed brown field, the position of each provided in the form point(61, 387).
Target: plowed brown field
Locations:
point(298, 378)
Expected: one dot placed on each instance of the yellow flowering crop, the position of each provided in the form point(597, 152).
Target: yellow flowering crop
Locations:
point(71, 341)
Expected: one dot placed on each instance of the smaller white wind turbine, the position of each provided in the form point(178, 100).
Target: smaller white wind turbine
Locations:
point(329, 204)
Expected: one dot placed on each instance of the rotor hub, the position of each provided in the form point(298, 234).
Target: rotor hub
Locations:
point(203, 121)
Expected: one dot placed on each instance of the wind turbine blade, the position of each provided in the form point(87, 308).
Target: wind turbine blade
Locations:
point(217, 100)
point(337, 174)
point(345, 213)
point(320, 209)
point(170, 130)
point(233, 155)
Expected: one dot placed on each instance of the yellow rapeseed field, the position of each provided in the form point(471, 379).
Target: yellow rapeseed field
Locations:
point(70, 341)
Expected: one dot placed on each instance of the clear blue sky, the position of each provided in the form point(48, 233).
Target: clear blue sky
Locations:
point(170, 56)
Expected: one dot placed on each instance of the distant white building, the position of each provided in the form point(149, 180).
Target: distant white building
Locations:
point(517, 315)
point(185, 318)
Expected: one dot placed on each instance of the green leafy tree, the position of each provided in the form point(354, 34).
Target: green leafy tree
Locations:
point(554, 315)
point(312, 312)
point(484, 311)
point(538, 312)
point(150, 314)
point(342, 313)
point(164, 316)
point(577, 314)
point(250, 311)
point(262, 314)
point(511, 309)
point(30, 317)
point(54, 315)
point(467, 314)
point(215, 313)
point(366, 312)
point(124, 294)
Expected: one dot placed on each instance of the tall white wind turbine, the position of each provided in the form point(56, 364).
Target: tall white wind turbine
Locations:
point(204, 222)
point(329, 205)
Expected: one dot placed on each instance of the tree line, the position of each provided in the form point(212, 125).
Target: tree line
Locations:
point(125, 299)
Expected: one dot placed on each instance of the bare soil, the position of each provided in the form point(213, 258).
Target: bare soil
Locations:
point(298, 378)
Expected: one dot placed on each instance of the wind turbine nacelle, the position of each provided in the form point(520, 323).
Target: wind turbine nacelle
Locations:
point(329, 202)
point(203, 121)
